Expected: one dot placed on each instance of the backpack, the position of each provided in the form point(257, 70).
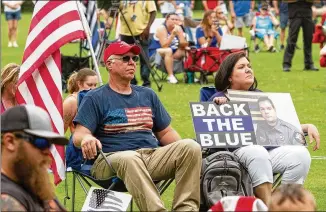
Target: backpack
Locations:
point(223, 175)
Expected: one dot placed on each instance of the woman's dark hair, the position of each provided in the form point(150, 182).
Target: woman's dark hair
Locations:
point(222, 82)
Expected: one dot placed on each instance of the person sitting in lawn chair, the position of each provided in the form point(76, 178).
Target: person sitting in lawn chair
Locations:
point(169, 42)
point(292, 161)
point(263, 27)
point(129, 123)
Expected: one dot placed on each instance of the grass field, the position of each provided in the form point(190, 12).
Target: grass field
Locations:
point(308, 91)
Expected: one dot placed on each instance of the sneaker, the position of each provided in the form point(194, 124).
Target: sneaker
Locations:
point(15, 44)
point(9, 44)
point(172, 79)
point(257, 49)
point(273, 49)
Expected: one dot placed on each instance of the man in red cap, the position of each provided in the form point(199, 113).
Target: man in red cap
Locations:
point(129, 123)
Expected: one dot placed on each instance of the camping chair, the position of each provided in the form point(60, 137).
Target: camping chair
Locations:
point(254, 37)
point(113, 183)
point(206, 61)
point(157, 63)
point(83, 174)
point(204, 95)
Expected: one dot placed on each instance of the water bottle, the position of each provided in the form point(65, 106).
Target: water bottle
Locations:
point(190, 77)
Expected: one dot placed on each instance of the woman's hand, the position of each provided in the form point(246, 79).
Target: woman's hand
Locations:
point(220, 100)
point(313, 134)
point(176, 30)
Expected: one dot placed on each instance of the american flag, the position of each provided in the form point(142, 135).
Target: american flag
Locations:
point(99, 199)
point(53, 24)
point(238, 203)
point(129, 120)
point(90, 10)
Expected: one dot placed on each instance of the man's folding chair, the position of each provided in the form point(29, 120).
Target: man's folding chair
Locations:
point(113, 183)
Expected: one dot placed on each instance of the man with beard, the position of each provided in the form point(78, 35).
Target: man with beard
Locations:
point(26, 138)
point(274, 131)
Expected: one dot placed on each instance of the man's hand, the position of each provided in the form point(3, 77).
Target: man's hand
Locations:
point(220, 100)
point(145, 34)
point(277, 12)
point(313, 135)
point(89, 146)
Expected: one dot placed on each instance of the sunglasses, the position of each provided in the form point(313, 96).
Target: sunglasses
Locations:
point(126, 59)
point(40, 143)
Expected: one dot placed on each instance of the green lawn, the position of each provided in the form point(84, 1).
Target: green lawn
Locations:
point(308, 91)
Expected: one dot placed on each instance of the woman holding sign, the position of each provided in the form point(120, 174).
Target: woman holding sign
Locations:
point(293, 162)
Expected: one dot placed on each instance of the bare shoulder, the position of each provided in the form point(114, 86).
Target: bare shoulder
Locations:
point(9, 203)
point(70, 100)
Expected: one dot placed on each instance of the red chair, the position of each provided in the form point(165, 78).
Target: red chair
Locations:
point(206, 61)
point(322, 61)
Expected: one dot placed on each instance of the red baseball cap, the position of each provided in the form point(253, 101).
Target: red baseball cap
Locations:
point(120, 48)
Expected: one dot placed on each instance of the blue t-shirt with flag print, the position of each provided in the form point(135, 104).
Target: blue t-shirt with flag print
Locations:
point(123, 122)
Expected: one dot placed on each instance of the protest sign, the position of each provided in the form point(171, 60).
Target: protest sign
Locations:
point(274, 117)
point(222, 126)
point(99, 199)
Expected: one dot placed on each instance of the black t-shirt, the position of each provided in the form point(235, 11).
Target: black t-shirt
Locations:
point(30, 202)
point(300, 9)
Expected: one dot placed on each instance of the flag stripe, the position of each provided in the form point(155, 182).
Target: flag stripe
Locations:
point(47, 19)
point(42, 12)
point(50, 105)
point(38, 56)
point(59, 167)
point(53, 63)
point(46, 32)
point(38, 7)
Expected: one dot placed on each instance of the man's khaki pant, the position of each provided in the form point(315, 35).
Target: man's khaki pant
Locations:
point(180, 160)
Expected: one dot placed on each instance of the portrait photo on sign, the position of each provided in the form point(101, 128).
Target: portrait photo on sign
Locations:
point(274, 117)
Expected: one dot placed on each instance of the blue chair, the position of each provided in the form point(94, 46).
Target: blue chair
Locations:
point(204, 95)
point(81, 170)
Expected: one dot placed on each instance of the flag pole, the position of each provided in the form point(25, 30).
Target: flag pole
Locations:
point(88, 35)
